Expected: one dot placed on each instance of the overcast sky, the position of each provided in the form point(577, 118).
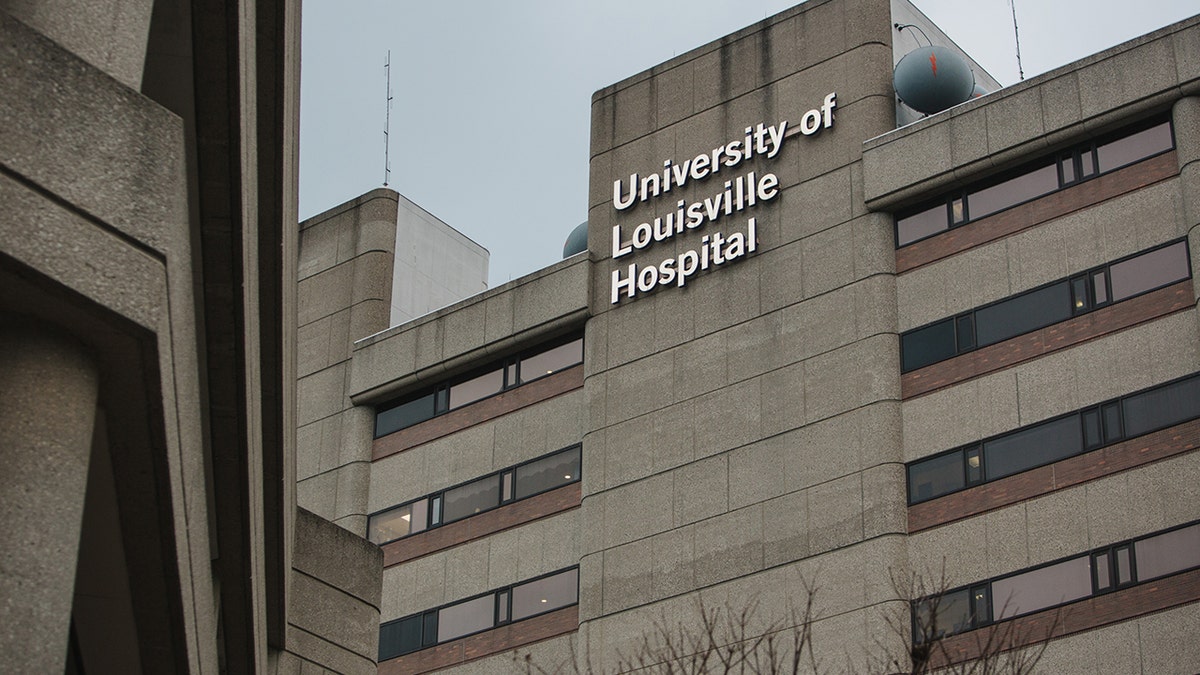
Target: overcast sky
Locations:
point(490, 122)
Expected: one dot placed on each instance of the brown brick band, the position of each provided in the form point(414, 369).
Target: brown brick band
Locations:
point(1057, 476)
point(1038, 211)
point(502, 518)
point(495, 641)
point(1050, 339)
point(1084, 615)
point(476, 413)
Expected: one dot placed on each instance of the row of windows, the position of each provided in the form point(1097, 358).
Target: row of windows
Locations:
point(1099, 571)
point(1052, 440)
point(1041, 307)
point(480, 384)
point(497, 608)
point(1048, 175)
point(482, 494)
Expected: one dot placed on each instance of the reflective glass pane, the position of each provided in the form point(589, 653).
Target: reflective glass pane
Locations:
point(543, 595)
point(502, 607)
point(1149, 271)
point(1034, 446)
point(1091, 429)
point(1134, 147)
point(1124, 567)
point(927, 345)
point(1111, 415)
point(1167, 553)
point(467, 500)
point(476, 388)
point(946, 615)
point(921, 225)
point(547, 473)
point(1100, 287)
point(465, 618)
point(1162, 407)
point(1101, 571)
point(1042, 588)
point(958, 211)
point(1068, 169)
point(1023, 313)
point(506, 492)
point(1079, 296)
point(934, 477)
point(966, 332)
point(399, 637)
point(1013, 191)
point(974, 465)
point(551, 361)
point(403, 415)
point(398, 522)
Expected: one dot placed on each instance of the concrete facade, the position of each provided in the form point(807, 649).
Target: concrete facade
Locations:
point(750, 433)
point(147, 314)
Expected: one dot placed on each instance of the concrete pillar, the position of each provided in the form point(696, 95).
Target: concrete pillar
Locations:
point(50, 387)
point(1186, 119)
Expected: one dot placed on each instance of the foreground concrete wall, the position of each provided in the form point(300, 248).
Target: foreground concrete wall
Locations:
point(744, 430)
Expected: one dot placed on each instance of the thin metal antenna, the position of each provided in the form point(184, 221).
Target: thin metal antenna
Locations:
point(1017, 37)
point(387, 120)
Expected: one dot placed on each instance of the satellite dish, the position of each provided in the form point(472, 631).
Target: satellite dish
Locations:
point(576, 241)
point(932, 79)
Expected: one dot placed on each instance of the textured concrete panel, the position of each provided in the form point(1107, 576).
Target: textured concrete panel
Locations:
point(835, 516)
point(701, 490)
point(125, 152)
point(627, 575)
point(785, 529)
point(673, 557)
point(728, 418)
point(729, 545)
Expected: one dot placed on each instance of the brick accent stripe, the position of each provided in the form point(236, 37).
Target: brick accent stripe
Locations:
point(489, 408)
point(510, 515)
point(1084, 615)
point(1057, 476)
point(1111, 319)
point(494, 641)
point(1040, 210)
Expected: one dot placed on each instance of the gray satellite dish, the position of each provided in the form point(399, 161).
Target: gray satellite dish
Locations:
point(932, 79)
point(576, 241)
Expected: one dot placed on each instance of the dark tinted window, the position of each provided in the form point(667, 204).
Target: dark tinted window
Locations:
point(1023, 313)
point(1041, 588)
point(921, 225)
point(547, 473)
point(937, 476)
point(1162, 407)
point(1034, 446)
point(467, 500)
point(945, 615)
point(1013, 191)
point(403, 415)
point(476, 388)
point(399, 637)
point(1132, 148)
point(1149, 271)
point(1168, 553)
point(927, 345)
point(551, 361)
point(543, 595)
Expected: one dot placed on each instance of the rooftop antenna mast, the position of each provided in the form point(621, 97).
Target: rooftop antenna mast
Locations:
point(1017, 38)
point(387, 120)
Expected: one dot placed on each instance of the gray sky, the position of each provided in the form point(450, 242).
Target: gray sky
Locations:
point(490, 122)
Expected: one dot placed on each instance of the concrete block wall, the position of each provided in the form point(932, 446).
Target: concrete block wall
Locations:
point(1132, 81)
point(743, 431)
point(345, 288)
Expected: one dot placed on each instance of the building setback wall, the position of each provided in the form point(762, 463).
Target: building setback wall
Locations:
point(743, 431)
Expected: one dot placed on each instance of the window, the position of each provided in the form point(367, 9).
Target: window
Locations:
point(483, 494)
point(1042, 177)
point(474, 615)
point(1100, 571)
point(488, 381)
point(1052, 440)
point(1044, 306)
